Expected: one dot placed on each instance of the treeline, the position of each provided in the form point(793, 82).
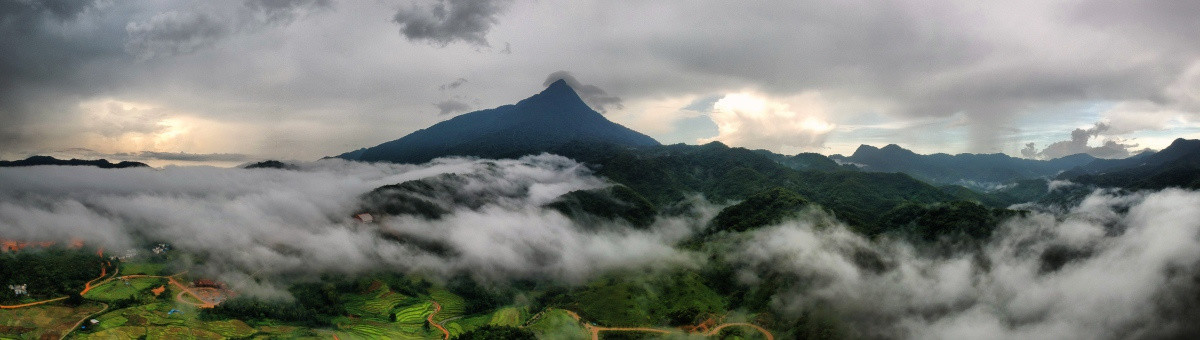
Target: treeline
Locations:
point(667, 175)
point(47, 273)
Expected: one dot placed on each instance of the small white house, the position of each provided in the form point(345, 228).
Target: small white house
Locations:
point(364, 218)
point(19, 289)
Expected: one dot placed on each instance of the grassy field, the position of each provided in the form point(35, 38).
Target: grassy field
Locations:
point(51, 320)
point(370, 329)
point(557, 324)
point(458, 326)
point(510, 316)
point(118, 289)
point(156, 320)
point(144, 268)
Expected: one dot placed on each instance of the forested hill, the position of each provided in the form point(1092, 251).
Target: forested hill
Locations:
point(968, 169)
point(668, 174)
point(545, 121)
point(1176, 166)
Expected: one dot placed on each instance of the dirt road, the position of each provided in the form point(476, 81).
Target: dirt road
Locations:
point(86, 287)
point(437, 307)
point(595, 330)
point(204, 303)
point(717, 330)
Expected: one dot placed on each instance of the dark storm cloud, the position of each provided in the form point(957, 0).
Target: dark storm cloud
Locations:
point(1170, 23)
point(977, 66)
point(45, 50)
point(60, 9)
point(181, 32)
point(173, 33)
point(59, 54)
point(448, 21)
point(591, 94)
point(451, 106)
point(453, 85)
point(273, 11)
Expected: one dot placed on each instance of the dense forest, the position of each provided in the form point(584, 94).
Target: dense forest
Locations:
point(47, 273)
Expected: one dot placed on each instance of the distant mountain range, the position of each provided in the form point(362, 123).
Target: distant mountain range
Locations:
point(47, 160)
point(978, 171)
point(545, 121)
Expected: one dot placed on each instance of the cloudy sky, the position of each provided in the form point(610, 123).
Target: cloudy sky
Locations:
point(232, 81)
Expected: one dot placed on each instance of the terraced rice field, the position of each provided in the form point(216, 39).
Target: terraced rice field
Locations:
point(506, 317)
point(376, 304)
point(156, 320)
point(414, 314)
point(452, 305)
point(230, 328)
point(50, 320)
point(368, 329)
point(459, 326)
point(179, 332)
point(123, 332)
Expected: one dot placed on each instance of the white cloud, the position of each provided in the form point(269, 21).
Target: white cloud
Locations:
point(1112, 267)
point(274, 223)
point(756, 121)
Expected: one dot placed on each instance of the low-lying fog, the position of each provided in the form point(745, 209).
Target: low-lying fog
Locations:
point(1116, 266)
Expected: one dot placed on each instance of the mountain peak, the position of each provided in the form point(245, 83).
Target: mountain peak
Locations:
point(558, 84)
point(559, 88)
point(1183, 142)
point(543, 122)
point(864, 149)
point(560, 96)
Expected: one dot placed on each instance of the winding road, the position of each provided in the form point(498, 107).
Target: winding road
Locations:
point(595, 330)
point(204, 303)
point(437, 307)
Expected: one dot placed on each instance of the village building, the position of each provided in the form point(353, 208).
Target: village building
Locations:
point(19, 289)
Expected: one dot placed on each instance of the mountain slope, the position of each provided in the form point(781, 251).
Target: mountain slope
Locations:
point(1176, 166)
point(547, 120)
point(976, 170)
point(669, 174)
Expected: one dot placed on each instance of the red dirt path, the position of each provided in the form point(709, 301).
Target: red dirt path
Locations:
point(438, 308)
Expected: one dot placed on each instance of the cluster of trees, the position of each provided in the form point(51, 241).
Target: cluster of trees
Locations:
point(257, 310)
point(490, 332)
point(315, 304)
point(949, 220)
point(678, 297)
point(612, 203)
point(478, 298)
point(764, 208)
point(47, 273)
